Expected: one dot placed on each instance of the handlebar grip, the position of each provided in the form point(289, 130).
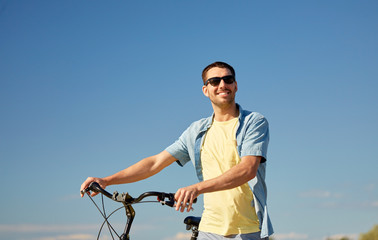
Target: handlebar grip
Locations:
point(95, 187)
point(171, 199)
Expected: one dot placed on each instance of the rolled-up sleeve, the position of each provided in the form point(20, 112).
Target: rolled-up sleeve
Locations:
point(179, 149)
point(256, 138)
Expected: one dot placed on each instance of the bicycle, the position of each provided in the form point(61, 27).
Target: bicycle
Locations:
point(127, 201)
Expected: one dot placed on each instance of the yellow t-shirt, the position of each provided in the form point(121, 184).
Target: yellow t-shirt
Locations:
point(230, 211)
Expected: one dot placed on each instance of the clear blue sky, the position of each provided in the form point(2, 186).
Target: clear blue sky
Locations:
point(88, 88)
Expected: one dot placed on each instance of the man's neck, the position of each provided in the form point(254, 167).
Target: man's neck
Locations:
point(226, 113)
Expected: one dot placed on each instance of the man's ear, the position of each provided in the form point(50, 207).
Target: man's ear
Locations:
point(205, 91)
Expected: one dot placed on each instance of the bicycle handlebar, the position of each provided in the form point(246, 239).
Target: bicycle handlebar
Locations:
point(126, 198)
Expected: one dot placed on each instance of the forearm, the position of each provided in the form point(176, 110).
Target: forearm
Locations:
point(143, 169)
point(234, 177)
point(226, 181)
point(139, 171)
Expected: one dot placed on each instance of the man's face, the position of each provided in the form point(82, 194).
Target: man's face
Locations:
point(223, 94)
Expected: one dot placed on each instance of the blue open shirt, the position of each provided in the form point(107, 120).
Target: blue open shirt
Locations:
point(252, 138)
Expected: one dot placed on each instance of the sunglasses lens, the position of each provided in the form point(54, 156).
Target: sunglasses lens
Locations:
point(215, 81)
point(228, 79)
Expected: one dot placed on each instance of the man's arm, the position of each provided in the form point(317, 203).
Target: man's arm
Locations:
point(141, 170)
point(234, 177)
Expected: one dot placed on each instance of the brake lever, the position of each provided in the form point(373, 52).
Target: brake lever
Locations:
point(171, 199)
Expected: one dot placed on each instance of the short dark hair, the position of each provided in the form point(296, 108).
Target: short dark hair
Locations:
point(219, 65)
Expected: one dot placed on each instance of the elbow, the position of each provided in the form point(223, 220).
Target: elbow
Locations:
point(250, 165)
point(246, 176)
point(250, 175)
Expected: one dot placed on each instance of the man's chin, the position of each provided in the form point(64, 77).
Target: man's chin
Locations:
point(224, 103)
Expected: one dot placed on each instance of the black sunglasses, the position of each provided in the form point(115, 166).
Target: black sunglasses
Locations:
point(216, 80)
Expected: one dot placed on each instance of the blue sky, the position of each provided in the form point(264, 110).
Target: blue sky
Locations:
point(88, 88)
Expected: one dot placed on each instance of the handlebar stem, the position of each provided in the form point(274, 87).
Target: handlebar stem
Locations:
point(123, 197)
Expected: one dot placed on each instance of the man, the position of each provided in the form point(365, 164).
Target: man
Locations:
point(229, 152)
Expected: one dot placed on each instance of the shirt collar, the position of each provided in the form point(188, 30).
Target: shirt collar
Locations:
point(209, 120)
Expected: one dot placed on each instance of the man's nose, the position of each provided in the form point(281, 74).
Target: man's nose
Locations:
point(222, 83)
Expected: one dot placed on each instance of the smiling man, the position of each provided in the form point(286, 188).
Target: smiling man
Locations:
point(229, 152)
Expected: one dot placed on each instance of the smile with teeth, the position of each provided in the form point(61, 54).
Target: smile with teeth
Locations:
point(223, 93)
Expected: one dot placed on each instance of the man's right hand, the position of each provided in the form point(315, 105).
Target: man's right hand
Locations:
point(185, 197)
point(89, 180)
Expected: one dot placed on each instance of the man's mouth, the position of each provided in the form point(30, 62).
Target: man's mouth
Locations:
point(223, 93)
